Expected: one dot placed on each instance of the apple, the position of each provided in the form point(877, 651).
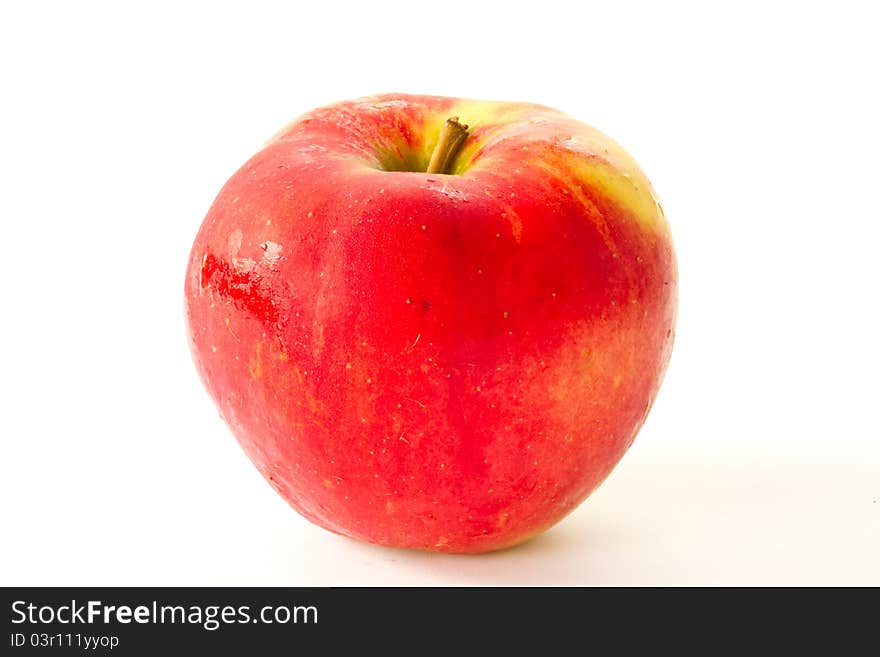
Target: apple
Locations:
point(434, 323)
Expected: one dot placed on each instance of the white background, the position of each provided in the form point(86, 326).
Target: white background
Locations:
point(757, 123)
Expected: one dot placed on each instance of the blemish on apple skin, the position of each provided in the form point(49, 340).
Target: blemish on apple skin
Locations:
point(234, 242)
point(202, 281)
point(271, 252)
point(229, 328)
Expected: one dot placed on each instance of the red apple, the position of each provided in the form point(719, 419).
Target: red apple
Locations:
point(448, 361)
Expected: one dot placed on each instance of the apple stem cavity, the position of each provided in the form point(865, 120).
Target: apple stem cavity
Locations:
point(452, 136)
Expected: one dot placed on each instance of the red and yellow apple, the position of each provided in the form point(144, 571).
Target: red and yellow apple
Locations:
point(448, 361)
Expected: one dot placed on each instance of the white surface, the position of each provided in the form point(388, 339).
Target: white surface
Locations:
point(758, 126)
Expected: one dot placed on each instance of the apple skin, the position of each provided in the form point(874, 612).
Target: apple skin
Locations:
point(442, 362)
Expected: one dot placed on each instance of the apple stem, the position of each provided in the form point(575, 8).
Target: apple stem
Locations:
point(452, 136)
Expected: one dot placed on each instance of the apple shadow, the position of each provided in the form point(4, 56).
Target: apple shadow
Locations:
point(569, 554)
point(583, 549)
point(679, 518)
